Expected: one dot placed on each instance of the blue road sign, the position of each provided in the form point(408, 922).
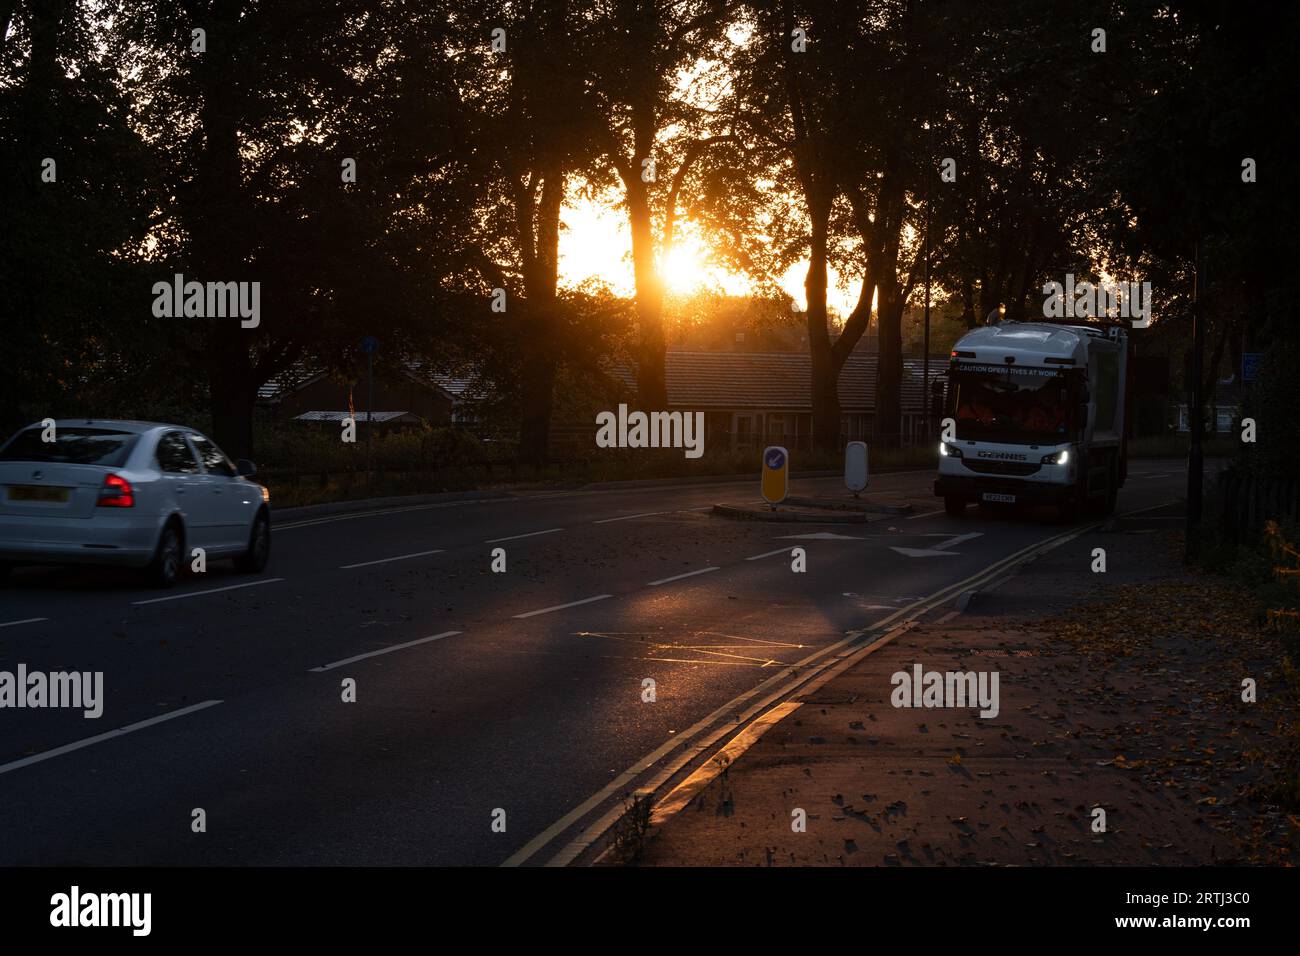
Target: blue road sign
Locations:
point(1250, 365)
point(370, 345)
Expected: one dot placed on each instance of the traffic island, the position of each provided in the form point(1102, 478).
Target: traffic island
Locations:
point(782, 513)
point(850, 504)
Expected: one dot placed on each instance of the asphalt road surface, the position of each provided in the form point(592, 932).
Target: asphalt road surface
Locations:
point(480, 696)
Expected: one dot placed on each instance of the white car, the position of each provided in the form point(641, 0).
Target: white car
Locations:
point(137, 494)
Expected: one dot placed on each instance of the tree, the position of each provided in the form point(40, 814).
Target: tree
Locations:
point(646, 46)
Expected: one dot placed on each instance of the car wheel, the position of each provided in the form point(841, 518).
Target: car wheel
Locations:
point(259, 546)
point(166, 565)
point(954, 505)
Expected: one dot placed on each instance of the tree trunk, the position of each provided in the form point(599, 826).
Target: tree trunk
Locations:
point(232, 390)
point(651, 378)
point(538, 395)
point(540, 281)
point(823, 368)
point(217, 246)
point(887, 421)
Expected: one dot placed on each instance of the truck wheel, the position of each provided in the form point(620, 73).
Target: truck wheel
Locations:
point(954, 505)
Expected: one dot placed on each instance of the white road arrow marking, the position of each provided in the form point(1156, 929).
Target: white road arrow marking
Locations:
point(940, 549)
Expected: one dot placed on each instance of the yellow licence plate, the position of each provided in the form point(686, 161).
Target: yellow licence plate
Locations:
point(37, 493)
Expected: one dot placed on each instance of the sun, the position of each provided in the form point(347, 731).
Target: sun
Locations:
point(683, 270)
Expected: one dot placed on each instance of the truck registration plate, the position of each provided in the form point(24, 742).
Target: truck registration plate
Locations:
point(1005, 499)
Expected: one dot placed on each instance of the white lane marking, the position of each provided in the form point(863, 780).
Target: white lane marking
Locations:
point(928, 514)
point(190, 594)
point(561, 607)
point(647, 514)
point(516, 537)
point(351, 515)
point(678, 577)
point(29, 620)
point(400, 557)
point(768, 554)
point(120, 732)
point(383, 650)
point(939, 550)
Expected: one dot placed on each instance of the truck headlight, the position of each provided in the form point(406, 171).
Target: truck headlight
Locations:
point(1057, 458)
point(949, 451)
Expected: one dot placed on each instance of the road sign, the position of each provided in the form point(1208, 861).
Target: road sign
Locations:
point(776, 474)
point(370, 345)
point(1250, 365)
point(855, 466)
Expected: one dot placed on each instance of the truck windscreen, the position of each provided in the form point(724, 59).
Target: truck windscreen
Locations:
point(1015, 405)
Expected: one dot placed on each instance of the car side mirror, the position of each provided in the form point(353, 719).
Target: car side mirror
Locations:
point(245, 468)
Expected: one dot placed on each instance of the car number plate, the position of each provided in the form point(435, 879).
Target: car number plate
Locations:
point(37, 493)
point(1006, 499)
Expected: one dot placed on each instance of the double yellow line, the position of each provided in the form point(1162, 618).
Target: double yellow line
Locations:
point(807, 674)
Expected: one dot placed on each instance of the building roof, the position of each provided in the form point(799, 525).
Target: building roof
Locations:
point(300, 376)
point(699, 381)
point(379, 417)
point(776, 381)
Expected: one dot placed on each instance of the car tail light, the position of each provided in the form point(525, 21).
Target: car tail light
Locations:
point(116, 493)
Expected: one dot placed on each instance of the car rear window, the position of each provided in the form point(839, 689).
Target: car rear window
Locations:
point(72, 446)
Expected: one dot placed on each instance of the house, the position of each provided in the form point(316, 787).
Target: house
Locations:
point(402, 398)
point(753, 399)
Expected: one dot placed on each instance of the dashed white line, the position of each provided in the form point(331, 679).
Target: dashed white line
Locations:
point(648, 514)
point(516, 537)
point(561, 607)
point(89, 741)
point(678, 577)
point(384, 650)
point(29, 620)
point(190, 594)
point(400, 557)
point(768, 554)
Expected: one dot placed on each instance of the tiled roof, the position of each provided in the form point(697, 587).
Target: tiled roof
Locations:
point(299, 375)
point(361, 417)
point(779, 380)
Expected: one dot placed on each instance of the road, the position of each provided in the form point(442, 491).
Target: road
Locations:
point(476, 692)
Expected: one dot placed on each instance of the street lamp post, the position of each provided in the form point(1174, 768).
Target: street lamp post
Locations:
point(925, 347)
point(1195, 424)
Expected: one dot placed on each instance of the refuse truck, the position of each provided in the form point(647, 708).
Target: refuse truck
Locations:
point(1036, 413)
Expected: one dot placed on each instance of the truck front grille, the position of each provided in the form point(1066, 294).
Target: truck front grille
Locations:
point(988, 467)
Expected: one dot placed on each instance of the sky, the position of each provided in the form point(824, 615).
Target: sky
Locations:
point(596, 241)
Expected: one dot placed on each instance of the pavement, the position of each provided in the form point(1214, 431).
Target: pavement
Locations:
point(381, 696)
point(1119, 735)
